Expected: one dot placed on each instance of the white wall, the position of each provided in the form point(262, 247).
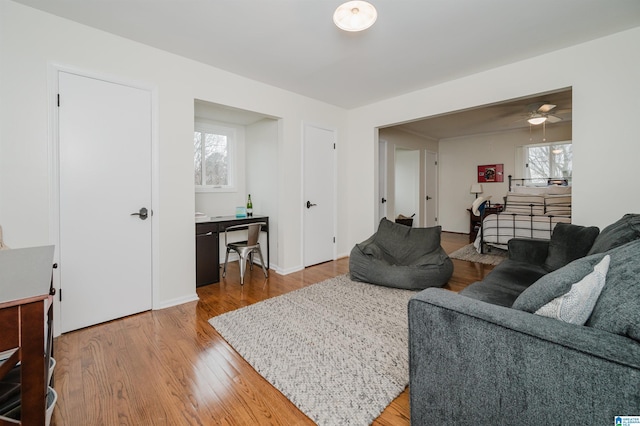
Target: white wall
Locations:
point(262, 177)
point(459, 160)
point(32, 41)
point(606, 100)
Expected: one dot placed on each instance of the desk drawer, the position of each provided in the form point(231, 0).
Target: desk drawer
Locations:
point(204, 228)
point(9, 318)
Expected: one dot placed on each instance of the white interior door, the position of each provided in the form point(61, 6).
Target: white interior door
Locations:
point(319, 195)
point(105, 177)
point(382, 179)
point(431, 188)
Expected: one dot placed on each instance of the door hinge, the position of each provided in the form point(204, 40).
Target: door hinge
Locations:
point(334, 240)
point(334, 145)
point(58, 99)
point(436, 219)
point(60, 294)
point(435, 162)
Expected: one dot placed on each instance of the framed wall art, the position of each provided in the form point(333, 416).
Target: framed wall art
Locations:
point(491, 173)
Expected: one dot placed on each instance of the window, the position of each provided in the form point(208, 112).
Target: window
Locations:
point(214, 157)
point(550, 160)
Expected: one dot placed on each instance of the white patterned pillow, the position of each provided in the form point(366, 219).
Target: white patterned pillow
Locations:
point(575, 307)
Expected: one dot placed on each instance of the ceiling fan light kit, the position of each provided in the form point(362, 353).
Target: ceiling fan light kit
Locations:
point(355, 16)
point(537, 119)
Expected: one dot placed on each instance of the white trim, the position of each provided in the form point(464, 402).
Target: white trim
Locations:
point(177, 301)
point(291, 270)
point(53, 71)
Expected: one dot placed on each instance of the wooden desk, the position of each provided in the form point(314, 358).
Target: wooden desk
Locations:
point(22, 322)
point(208, 243)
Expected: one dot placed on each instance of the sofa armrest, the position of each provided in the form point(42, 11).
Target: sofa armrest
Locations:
point(528, 250)
point(476, 363)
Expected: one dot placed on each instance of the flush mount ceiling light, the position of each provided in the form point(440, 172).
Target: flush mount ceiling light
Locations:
point(537, 119)
point(355, 16)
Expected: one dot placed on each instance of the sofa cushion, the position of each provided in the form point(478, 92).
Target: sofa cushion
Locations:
point(505, 283)
point(555, 284)
point(576, 305)
point(618, 233)
point(568, 243)
point(616, 310)
point(404, 245)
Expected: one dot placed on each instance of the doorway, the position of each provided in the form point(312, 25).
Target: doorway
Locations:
point(104, 167)
point(407, 183)
point(431, 188)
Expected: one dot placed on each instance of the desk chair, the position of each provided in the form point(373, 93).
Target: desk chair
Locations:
point(245, 249)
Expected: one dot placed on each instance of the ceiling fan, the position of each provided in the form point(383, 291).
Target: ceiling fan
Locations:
point(539, 112)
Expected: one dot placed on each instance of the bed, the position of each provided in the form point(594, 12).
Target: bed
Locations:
point(531, 210)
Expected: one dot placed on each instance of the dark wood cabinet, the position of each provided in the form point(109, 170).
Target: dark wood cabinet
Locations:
point(23, 340)
point(207, 253)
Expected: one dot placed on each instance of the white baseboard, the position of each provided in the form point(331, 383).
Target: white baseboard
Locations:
point(177, 301)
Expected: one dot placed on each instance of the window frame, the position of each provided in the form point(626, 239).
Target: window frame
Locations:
point(232, 140)
point(525, 159)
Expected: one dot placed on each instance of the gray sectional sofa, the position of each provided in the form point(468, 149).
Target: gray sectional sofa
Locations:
point(483, 357)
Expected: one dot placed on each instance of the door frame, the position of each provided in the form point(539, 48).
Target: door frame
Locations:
point(334, 187)
point(383, 184)
point(425, 183)
point(54, 69)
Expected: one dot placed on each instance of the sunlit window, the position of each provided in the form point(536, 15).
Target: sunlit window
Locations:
point(548, 161)
point(213, 157)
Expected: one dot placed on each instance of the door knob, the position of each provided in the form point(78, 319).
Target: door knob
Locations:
point(143, 213)
point(384, 200)
point(310, 204)
point(429, 198)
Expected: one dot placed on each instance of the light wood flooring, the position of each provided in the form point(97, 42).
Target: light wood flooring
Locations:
point(170, 367)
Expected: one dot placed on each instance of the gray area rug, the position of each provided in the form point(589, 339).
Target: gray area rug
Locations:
point(469, 253)
point(337, 349)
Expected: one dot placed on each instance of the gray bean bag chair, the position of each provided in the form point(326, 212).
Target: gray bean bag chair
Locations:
point(402, 257)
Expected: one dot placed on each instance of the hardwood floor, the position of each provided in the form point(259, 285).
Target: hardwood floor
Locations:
point(170, 367)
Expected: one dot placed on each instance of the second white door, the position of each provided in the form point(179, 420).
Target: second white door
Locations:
point(319, 195)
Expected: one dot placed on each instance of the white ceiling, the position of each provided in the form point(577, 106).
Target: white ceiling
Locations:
point(500, 117)
point(294, 45)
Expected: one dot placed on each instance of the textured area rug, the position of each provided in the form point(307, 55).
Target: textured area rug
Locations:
point(337, 349)
point(469, 253)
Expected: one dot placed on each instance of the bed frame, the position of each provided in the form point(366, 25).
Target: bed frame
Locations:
point(531, 220)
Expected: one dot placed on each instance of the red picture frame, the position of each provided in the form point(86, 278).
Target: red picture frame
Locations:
point(491, 173)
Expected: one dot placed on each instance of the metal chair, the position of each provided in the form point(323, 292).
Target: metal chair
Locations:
point(245, 249)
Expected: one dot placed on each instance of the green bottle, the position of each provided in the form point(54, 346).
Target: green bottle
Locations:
point(249, 206)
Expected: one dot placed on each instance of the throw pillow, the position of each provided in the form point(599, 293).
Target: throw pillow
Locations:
point(576, 306)
point(555, 284)
point(568, 243)
point(617, 310)
point(624, 230)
